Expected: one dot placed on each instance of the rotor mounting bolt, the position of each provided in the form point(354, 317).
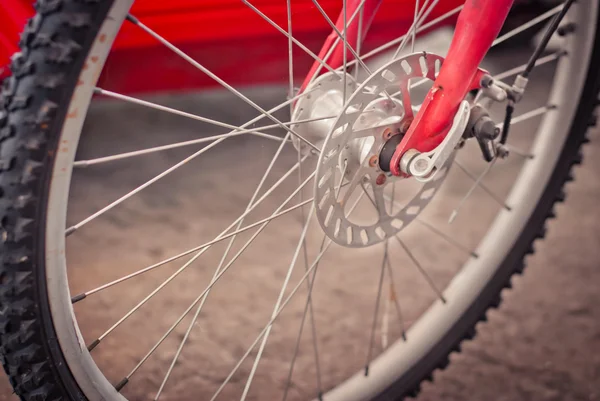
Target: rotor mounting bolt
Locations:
point(380, 179)
point(387, 134)
point(373, 161)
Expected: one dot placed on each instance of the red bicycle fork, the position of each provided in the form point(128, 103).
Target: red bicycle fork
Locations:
point(478, 24)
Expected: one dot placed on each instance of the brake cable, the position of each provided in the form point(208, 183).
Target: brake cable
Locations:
point(518, 88)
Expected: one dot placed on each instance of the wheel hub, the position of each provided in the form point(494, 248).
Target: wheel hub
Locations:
point(357, 148)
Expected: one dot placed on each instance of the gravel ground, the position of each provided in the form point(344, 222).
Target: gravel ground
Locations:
point(542, 344)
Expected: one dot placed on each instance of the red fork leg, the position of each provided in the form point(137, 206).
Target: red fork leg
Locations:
point(478, 25)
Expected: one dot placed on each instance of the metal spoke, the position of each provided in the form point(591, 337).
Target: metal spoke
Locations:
point(306, 309)
point(398, 40)
point(430, 226)
point(423, 14)
point(392, 199)
point(128, 195)
point(378, 198)
point(359, 35)
point(336, 42)
point(394, 298)
point(290, 54)
point(126, 155)
point(72, 229)
point(206, 245)
point(421, 269)
point(446, 237)
point(477, 182)
point(449, 14)
point(345, 39)
point(376, 312)
point(278, 303)
point(155, 106)
point(417, 20)
point(201, 298)
point(519, 152)
point(347, 46)
point(272, 320)
point(222, 261)
point(195, 302)
point(205, 70)
point(529, 115)
point(283, 305)
point(533, 22)
point(299, 44)
point(183, 341)
point(180, 319)
point(541, 61)
point(385, 319)
point(353, 183)
point(307, 305)
point(222, 236)
point(423, 27)
point(481, 185)
point(309, 301)
point(412, 44)
point(187, 264)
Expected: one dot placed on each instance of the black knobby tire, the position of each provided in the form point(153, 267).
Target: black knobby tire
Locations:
point(54, 46)
point(34, 103)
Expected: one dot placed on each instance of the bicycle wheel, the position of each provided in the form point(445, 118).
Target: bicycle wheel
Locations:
point(63, 283)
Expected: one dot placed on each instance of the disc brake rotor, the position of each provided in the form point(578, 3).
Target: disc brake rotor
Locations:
point(355, 146)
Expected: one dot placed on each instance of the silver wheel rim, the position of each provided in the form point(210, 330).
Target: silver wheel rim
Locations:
point(432, 325)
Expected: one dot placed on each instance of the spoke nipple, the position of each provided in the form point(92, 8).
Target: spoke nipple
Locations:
point(367, 370)
point(132, 19)
point(93, 345)
point(78, 298)
point(121, 384)
point(70, 230)
point(566, 29)
point(380, 179)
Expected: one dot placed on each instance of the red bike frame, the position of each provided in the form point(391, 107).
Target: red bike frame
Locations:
point(478, 25)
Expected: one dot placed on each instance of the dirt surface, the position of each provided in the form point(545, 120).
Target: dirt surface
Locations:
point(542, 344)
